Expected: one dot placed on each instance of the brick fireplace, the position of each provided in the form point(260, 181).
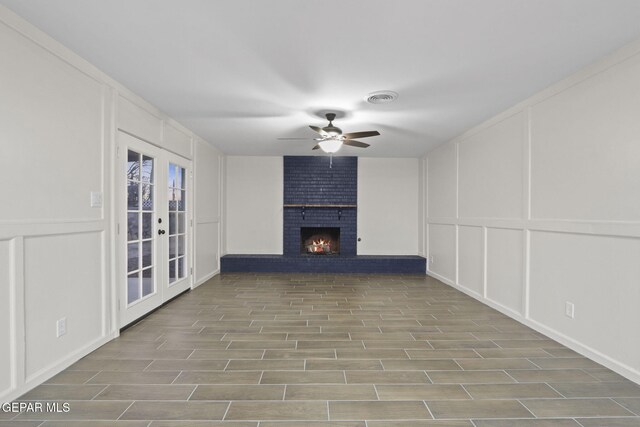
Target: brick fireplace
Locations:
point(320, 193)
point(320, 204)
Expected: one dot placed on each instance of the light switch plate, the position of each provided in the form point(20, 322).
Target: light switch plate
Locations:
point(61, 327)
point(96, 199)
point(569, 310)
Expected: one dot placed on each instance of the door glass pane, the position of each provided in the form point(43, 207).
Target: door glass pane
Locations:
point(177, 222)
point(147, 197)
point(147, 253)
point(147, 225)
point(133, 226)
point(181, 222)
point(173, 199)
point(172, 223)
point(147, 282)
point(133, 287)
point(147, 169)
point(172, 247)
point(172, 175)
point(133, 255)
point(133, 165)
point(181, 272)
point(140, 216)
point(133, 195)
point(180, 245)
point(182, 206)
point(179, 177)
point(172, 271)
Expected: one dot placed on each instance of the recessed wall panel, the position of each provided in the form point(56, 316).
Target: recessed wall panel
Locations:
point(51, 131)
point(388, 206)
point(6, 342)
point(254, 198)
point(207, 209)
point(441, 182)
point(176, 141)
point(471, 258)
point(505, 267)
point(585, 152)
point(442, 246)
point(63, 279)
point(139, 122)
point(600, 275)
point(206, 250)
point(490, 164)
point(207, 181)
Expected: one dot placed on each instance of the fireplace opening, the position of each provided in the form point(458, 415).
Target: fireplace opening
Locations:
point(320, 240)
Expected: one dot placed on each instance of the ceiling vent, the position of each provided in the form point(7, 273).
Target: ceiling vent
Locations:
point(381, 97)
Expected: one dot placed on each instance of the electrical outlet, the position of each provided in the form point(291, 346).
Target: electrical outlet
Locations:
point(430, 259)
point(569, 309)
point(61, 327)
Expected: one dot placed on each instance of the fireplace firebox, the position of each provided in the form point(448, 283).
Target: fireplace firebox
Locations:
point(319, 240)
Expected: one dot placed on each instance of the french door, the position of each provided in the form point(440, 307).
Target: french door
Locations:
point(154, 227)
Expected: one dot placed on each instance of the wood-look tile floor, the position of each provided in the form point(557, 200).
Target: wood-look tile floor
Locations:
point(276, 350)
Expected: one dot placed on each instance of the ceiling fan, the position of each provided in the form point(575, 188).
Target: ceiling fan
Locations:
point(332, 139)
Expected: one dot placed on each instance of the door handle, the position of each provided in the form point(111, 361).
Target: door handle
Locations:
point(160, 232)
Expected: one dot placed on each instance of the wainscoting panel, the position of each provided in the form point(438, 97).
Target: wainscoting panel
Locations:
point(471, 258)
point(7, 340)
point(76, 298)
point(600, 275)
point(206, 252)
point(554, 183)
point(504, 268)
point(442, 247)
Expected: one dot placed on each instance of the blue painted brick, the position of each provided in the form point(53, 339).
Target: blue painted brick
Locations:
point(309, 180)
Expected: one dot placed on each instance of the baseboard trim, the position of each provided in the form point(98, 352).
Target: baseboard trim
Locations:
point(205, 278)
point(585, 350)
point(55, 368)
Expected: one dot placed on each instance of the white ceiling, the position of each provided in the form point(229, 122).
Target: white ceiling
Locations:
point(242, 73)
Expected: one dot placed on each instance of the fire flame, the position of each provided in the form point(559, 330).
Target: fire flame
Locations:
point(318, 246)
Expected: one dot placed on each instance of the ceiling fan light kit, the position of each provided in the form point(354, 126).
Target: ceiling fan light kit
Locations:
point(332, 139)
point(330, 145)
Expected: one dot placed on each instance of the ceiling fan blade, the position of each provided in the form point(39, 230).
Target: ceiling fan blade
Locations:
point(319, 130)
point(366, 134)
point(295, 139)
point(316, 147)
point(354, 143)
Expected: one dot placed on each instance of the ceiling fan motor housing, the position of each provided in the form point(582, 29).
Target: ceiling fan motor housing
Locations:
point(331, 129)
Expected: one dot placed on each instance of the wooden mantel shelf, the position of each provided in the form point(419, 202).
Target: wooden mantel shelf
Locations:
point(320, 206)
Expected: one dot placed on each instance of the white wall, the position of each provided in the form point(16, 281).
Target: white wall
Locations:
point(208, 207)
point(254, 198)
point(53, 153)
point(539, 206)
point(7, 304)
point(58, 121)
point(388, 206)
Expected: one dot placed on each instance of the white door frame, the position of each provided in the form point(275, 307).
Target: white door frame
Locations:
point(163, 290)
